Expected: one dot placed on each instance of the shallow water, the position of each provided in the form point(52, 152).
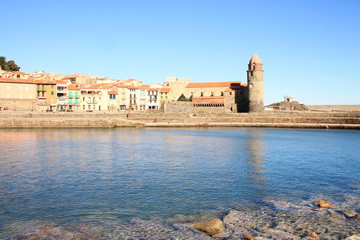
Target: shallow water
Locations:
point(98, 176)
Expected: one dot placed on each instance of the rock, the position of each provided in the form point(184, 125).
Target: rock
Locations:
point(357, 216)
point(348, 213)
point(211, 227)
point(46, 228)
point(353, 237)
point(222, 235)
point(324, 204)
point(248, 237)
point(314, 235)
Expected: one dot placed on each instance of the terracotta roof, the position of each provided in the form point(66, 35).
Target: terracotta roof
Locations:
point(144, 86)
point(165, 90)
point(61, 82)
point(22, 73)
point(113, 92)
point(212, 84)
point(208, 100)
point(73, 87)
point(12, 80)
point(153, 89)
point(44, 81)
point(99, 86)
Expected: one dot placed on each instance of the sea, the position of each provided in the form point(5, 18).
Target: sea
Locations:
point(104, 176)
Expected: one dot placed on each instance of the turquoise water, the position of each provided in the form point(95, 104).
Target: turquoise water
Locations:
point(94, 176)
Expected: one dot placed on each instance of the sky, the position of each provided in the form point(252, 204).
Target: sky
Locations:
point(310, 49)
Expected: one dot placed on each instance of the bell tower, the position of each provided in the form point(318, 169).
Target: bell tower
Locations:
point(255, 81)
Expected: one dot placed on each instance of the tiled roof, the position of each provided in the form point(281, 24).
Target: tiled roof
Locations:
point(73, 87)
point(153, 89)
point(165, 90)
point(61, 82)
point(144, 86)
point(22, 73)
point(12, 80)
point(212, 84)
point(113, 92)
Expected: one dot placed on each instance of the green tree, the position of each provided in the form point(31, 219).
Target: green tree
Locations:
point(2, 63)
point(8, 65)
point(13, 66)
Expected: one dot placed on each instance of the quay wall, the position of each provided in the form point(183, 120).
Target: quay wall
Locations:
point(334, 108)
point(160, 119)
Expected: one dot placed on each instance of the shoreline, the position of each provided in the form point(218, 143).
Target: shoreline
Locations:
point(278, 220)
point(157, 119)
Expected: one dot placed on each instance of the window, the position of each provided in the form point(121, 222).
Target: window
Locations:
point(83, 107)
point(201, 94)
point(52, 86)
point(52, 92)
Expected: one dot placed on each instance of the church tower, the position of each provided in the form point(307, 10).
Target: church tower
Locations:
point(255, 81)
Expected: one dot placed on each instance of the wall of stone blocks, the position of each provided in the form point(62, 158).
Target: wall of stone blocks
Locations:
point(18, 104)
point(332, 108)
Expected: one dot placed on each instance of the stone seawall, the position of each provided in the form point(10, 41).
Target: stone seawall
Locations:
point(346, 120)
point(334, 108)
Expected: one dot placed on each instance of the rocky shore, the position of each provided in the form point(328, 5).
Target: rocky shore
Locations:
point(275, 220)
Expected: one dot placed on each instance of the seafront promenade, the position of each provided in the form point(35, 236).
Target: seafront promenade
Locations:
point(326, 120)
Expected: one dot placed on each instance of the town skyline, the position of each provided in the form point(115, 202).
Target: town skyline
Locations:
point(309, 49)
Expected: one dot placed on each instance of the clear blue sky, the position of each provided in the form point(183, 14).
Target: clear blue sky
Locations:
point(310, 48)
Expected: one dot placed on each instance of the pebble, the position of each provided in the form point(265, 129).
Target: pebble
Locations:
point(286, 221)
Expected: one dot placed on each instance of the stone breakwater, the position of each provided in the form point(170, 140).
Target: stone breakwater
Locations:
point(277, 220)
point(350, 120)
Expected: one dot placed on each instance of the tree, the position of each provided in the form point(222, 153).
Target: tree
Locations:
point(8, 65)
point(2, 63)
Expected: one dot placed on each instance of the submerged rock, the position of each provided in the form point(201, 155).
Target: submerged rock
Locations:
point(248, 237)
point(314, 235)
point(353, 237)
point(357, 216)
point(324, 204)
point(211, 227)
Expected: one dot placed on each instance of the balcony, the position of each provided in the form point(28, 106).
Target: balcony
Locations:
point(91, 102)
point(62, 101)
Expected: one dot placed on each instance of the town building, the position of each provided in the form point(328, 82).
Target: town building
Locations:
point(177, 87)
point(17, 94)
point(74, 100)
point(47, 95)
point(62, 95)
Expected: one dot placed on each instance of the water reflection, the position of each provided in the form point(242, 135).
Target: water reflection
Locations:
point(255, 162)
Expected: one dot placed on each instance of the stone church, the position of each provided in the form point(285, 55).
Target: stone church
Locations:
point(223, 96)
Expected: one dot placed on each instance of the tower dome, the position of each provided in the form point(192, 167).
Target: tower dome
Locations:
point(254, 59)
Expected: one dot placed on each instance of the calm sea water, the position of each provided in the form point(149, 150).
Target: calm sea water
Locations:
point(81, 175)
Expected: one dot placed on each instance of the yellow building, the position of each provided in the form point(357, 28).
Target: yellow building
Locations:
point(46, 94)
point(165, 95)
